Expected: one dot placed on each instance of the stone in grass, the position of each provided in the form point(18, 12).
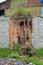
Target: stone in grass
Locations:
point(14, 62)
point(20, 63)
point(23, 63)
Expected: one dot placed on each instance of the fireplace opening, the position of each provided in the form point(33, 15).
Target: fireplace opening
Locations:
point(21, 23)
point(27, 38)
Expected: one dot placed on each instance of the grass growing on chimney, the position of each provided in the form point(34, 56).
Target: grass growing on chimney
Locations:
point(20, 10)
point(15, 54)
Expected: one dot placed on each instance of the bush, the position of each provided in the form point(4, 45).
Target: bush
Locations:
point(14, 55)
point(34, 60)
point(39, 52)
point(28, 51)
point(4, 52)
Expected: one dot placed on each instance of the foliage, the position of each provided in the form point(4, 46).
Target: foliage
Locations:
point(16, 47)
point(34, 60)
point(28, 51)
point(4, 52)
point(13, 5)
point(20, 10)
point(39, 52)
point(14, 53)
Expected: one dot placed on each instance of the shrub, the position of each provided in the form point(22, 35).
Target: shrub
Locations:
point(39, 52)
point(28, 51)
point(4, 52)
point(14, 55)
point(34, 60)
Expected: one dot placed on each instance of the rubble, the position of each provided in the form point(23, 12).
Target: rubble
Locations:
point(4, 61)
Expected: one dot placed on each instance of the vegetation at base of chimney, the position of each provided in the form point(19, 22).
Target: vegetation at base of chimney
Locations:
point(34, 60)
point(15, 54)
point(4, 52)
point(39, 52)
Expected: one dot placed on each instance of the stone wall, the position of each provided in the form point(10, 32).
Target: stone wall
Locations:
point(37, 36)
point(4, 32)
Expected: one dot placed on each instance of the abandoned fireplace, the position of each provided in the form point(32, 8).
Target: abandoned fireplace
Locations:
point(21, 30)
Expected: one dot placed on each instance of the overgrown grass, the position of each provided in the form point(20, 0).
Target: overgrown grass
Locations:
point(20, 10)
point(4, 52)
point(39, 52)
point(15, 54)
point(34, 60)
point(14, 4)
